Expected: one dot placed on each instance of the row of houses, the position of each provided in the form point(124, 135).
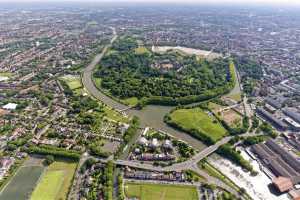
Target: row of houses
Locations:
point(147, 175)
point(154, 157)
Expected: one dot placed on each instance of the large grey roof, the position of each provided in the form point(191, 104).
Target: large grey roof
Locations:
point(271, 118)
point(276, 104)
point(292, 114)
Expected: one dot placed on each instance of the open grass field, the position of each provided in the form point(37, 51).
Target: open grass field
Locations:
point(74, 82)
point(131, 101)
point(51, 182)
point(237, 97)
point(215, 107)
point(189, 51)
point(6, 74)
point(55, 182)
point(141, 50)
point(22, 184)
point(160, 192)
point(198, 119)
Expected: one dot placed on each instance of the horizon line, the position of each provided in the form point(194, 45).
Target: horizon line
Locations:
point(180, 2)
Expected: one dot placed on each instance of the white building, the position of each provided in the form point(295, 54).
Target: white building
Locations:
point(10, 106)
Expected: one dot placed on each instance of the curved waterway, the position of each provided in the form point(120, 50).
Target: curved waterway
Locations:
point(151, 116)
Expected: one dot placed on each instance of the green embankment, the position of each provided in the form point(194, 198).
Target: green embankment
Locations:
point(197, 121)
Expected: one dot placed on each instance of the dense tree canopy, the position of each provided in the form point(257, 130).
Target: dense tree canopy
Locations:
point(125, 73)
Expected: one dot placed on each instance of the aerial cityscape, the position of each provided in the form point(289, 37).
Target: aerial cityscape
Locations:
point(149, 100)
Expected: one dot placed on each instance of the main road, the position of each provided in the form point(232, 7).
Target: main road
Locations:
point(151, 116)
point(89, 85)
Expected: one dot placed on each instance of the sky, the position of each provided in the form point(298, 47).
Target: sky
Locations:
point(275, 2)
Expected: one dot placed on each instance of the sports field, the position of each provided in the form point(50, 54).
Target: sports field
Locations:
point(160, 192)
point(55, 182)
point(73, 82)
point(22, 184)
point(196, 118)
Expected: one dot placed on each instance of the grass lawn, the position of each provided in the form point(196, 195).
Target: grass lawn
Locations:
point(110, 51)
point(6, 74)
point(141, 50)
point(160, 192)
point(236, 97)
point(214, 107)
point(74, 82)
point(78, 91)
point(51, 182)
point(114, 115)
point(97, 82)
point(22, 184)
point(55, 182)
point(196, 118)
point(131, 101)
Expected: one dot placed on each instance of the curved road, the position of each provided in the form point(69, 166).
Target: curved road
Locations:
point(88, 83)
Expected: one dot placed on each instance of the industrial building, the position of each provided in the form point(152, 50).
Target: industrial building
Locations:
point(270, 118)
point(292, 114)
point(284, 166)
point(295, 126)
point(274, 103)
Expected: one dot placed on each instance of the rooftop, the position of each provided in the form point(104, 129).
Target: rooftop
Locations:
point(10, 106)
point(283, 184)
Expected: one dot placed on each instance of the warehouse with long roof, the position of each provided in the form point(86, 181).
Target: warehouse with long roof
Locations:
point(270, 118)
point(292, 114)
point(280, 162)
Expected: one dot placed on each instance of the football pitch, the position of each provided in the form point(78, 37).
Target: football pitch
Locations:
point(55, 182)
point(161, 192)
